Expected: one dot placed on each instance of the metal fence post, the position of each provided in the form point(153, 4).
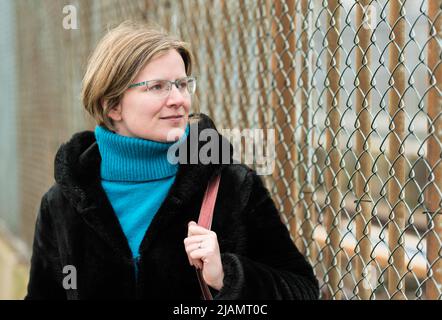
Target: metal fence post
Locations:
point(364, 162)
point(283, 69)
point(333, 174)
point(243, 66)
point(306, 171)
point(395, 153)
point(434, 191)
point(264, 68)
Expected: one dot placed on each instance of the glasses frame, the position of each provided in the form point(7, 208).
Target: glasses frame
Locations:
point(176, 83)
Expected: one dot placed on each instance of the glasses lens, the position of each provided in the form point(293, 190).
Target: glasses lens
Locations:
point(186, 85)
point(158, 87)
point(191, 85)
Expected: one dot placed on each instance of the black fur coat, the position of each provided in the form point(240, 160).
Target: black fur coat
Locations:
point(76, 226)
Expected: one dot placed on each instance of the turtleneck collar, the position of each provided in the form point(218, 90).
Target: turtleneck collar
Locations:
point(133, 159)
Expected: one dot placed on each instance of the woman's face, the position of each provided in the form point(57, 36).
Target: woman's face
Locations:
point(142, 114)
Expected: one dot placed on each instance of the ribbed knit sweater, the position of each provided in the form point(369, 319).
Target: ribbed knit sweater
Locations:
point(136, 176)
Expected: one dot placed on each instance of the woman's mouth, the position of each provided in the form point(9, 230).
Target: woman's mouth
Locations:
point(172, 117)
point(175, 120)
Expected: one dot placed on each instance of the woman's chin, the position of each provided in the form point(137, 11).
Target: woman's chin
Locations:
point(172, 134)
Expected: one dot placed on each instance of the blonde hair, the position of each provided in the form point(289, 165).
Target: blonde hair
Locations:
point(120, 55)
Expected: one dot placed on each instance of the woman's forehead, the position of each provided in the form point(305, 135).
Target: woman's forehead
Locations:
point(168, 65)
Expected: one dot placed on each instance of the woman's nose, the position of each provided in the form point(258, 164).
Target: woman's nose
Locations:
point(176, 97)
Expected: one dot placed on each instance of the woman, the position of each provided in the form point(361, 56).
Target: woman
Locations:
point(119, 222)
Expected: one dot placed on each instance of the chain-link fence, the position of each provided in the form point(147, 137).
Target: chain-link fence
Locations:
point(352, 89)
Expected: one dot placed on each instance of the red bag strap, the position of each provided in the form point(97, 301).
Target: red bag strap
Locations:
point(205, 220)
point(206, 212)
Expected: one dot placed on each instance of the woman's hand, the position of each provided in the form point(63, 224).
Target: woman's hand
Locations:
point(203, 252)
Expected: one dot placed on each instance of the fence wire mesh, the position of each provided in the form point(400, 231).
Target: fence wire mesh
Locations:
point(352, 89)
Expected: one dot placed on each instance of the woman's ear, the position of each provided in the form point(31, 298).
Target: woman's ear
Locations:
point(115, 112)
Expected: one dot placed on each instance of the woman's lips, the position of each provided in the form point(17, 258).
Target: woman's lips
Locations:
point(172, 117)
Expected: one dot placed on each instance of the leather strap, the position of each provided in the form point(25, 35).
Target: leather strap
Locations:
point(205, 220)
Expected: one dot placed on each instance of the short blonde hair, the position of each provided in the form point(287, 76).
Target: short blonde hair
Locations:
point(118, 58)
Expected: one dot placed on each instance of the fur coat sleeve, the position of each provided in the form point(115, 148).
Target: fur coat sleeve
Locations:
point(45, 282)
point(273, 267)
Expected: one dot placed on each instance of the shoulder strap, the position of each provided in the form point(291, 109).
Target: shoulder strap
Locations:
point(206, 212)
point(205, 220)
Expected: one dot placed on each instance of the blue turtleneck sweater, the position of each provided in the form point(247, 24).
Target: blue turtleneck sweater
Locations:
point(136, 176)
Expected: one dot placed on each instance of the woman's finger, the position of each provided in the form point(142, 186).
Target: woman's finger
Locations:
point(194, 229)
point(195, 243)
point(197, 254)
point(194, 246)
point(194, 239)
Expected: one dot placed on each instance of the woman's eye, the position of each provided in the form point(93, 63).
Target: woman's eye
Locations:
point(155, 87)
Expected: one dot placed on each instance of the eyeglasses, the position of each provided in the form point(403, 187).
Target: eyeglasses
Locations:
point(162, 88)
